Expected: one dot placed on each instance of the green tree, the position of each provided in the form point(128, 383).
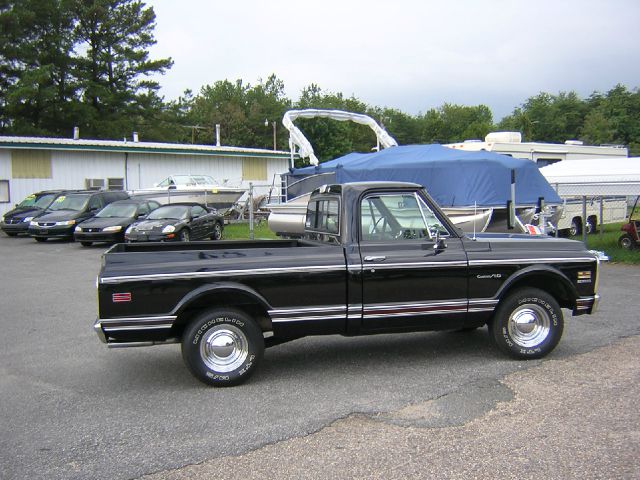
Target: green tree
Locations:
point(37, 88)
point(114, 70)
point(455, 123)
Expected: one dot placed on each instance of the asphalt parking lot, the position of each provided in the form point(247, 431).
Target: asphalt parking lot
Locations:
point(71, 408)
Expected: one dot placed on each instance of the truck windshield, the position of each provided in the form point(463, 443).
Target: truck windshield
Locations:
point(402, 216)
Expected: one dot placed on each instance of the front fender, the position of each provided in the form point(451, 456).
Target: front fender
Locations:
point(545, 277)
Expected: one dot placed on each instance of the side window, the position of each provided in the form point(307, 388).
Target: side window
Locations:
point(197, 211)
point(397, 217)
point(143, 209)
point(95, 202)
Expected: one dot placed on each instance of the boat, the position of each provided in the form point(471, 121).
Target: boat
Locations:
point(474, 188)
point(192, 188)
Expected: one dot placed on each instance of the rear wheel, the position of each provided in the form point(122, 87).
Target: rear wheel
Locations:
point(41, 239)
point(592, 225)
point(626, 242)
point(527, 324)
point(222, 347)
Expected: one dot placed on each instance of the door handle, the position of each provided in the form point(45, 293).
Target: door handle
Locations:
point(370, 258)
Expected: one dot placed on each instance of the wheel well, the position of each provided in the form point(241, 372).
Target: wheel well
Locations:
point(577, 221)
point(229, 299)
point(552, 285)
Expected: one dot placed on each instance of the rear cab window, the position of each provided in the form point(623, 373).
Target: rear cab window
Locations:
point(323, 220)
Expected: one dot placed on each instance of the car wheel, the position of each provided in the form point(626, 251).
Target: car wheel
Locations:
point(528, 323)
point(41, 239)
point(86, 244)
point(222, 347)
point(626, 242)
point(217, 232)
point(184, 235)
point(592, 225)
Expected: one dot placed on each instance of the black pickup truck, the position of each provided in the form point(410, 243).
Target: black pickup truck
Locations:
point(376, 258)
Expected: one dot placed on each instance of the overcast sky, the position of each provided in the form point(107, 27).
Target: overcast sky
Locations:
point(407, 54)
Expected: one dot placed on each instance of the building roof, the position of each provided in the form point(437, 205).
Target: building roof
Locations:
point(135, 147)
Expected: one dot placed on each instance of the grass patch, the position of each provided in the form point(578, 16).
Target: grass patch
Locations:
point(240, 231)
point(608, 243)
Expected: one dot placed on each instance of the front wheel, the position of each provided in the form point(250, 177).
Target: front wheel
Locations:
point(527, 324)
point(222, 347)
point(217, 232)
point(184, 235)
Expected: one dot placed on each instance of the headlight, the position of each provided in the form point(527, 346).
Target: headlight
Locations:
point(78, 229)
point(169, 229)
point(114, 228)
point(66, 222)
point(129, 229)
point(33, 223)
point(25, 219)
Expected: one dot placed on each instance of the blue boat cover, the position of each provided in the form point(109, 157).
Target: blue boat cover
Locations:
point(454, 178)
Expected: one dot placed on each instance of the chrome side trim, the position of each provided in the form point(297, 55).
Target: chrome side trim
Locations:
point(337, 312)
point(520, 261)
point(136, 323)
point(142, 344)
point(221, 273)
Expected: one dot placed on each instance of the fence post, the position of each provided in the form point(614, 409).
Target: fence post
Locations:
point(584, 220)
point(250, 200)
point(601, 217)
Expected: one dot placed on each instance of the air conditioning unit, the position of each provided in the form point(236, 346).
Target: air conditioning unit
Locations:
point(94, 183)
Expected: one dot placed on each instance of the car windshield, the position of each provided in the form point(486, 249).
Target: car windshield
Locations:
point(39, 201)
point(113, 210)
point(177, 212)
point(70, 202)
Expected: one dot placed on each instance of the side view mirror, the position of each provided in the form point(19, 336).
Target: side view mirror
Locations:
point(438, 243)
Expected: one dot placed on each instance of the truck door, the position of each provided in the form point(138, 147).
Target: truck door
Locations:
point(408, 283)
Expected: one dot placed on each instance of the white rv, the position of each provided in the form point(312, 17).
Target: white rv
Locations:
point(543, 154)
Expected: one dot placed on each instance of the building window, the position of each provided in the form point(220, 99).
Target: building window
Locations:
point(94, 183)
point(115, 183)
point(4, 191)
point(254, 169)
point(31, 164)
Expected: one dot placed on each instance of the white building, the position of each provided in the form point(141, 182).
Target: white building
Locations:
point(510, 143)
point(31, 164)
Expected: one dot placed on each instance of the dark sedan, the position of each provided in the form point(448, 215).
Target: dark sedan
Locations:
point(177, 221)
point(17, 220)
point(110, 223)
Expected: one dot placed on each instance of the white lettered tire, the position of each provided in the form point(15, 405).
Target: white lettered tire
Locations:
point(528, 323)
point(222, 347)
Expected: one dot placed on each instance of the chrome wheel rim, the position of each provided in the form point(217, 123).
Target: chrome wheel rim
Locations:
point(529, 325)
point(625, 242)
point(224, 348)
